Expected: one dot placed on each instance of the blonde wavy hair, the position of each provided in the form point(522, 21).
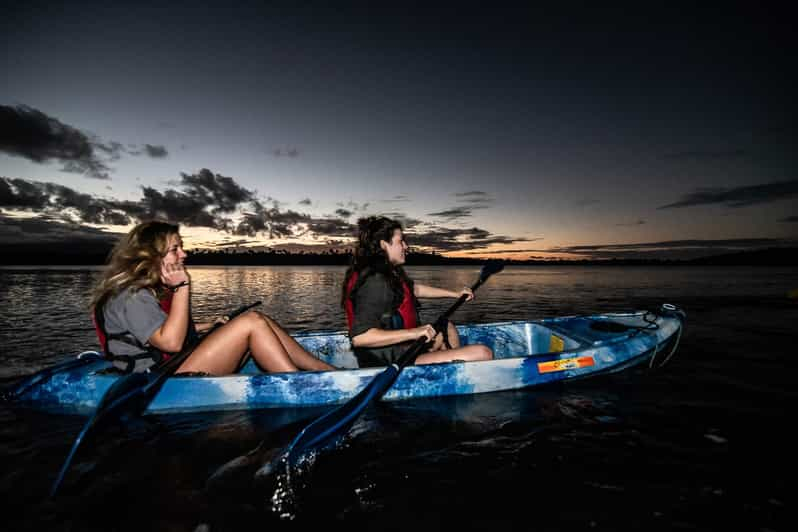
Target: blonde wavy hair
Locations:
point(135, 261)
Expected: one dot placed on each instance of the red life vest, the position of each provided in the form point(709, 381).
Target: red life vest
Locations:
point(166, 305)
point(406, 311)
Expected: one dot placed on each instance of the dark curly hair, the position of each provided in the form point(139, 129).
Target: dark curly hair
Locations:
point(369, 254)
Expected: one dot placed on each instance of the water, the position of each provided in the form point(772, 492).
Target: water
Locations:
point(702, 444)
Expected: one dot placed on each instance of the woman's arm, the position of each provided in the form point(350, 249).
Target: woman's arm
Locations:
point(424, 291)
point(169, 337)
point(381, 337)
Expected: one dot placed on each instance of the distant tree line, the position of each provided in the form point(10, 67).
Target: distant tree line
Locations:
point(66, 255)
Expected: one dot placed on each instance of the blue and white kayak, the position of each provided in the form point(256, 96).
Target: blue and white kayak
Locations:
point(527, 354)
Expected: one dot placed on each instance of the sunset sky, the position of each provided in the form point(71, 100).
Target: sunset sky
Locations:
point(490, 131)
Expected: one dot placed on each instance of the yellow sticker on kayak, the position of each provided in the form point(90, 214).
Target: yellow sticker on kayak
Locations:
point(556, 344)
point(565, 363)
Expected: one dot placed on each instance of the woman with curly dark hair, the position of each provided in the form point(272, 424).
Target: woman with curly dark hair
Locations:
point(381, 302)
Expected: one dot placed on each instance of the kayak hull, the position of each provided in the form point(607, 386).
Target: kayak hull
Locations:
point(527, 354)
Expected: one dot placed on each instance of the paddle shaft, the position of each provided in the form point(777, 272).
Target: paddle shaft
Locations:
point(336, 422)
point(415, 350)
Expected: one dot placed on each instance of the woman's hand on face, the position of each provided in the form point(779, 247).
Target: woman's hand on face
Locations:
point(427, 331)
point(173, 274)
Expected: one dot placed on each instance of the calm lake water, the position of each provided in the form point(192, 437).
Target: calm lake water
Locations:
point(702, 444)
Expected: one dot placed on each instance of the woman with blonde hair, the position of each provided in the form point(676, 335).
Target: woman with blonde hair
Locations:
point(142, 312)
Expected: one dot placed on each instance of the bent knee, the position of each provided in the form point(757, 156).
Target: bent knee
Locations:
point(254, 319)
point(483, 352)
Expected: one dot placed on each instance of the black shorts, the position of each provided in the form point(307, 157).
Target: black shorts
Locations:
point(381, 356)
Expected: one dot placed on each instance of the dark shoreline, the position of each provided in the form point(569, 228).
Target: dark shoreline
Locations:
point(765, 257)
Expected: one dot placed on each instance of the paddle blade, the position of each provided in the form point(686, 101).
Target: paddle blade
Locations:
point(331, 425)
point(489, 268)
point(41, 376)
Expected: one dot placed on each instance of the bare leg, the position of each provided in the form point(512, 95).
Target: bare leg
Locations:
point(296, 352)
point(467, 353)
point(221, 352)
point(454, 339)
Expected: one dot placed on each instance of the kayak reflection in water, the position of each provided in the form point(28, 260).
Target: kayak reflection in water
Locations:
point(381, 302)
point(141, 305)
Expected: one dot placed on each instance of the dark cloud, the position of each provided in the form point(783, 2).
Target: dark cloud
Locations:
point(397, 199)
point(332, 228)
point(507, 251)
point(343, 213)
point(156, 152)
point(231, 243)
point(445, 239)
point(220, 193)
point(202, 201)
point(705, 155)
point(456, 213)
point(112, 150)
point(29, 133)
point(739, 196)
point(286, 152)
point(306, 201)
point(46, 230)
point(354, 206)
point(789, 219)
point(670, 249)
point(477, 198)
point(407, 223)
point(631, 224)
point(60, 201)
point(271, 221)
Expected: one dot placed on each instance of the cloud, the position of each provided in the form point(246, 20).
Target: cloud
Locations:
point(306, 201)
point(156, 152)
point(231, 243)
point(397, 199)
point(407, 222)
point(473, 196)
point(29, 133)
point(202, 200)
point(354, 206)
point(739, 196)
point(506, 251)
point(60, 202)
point(445, 239)
point(49, 231)
point(632, 224)
point(705, 155)
point(453, 214)
point(286, 152)
point(331, 227)
point(669, 249)
point(476, 199)
point(343, 213)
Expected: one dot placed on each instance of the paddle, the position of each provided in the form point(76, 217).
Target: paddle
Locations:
point(133, 392)
point(332, 424)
